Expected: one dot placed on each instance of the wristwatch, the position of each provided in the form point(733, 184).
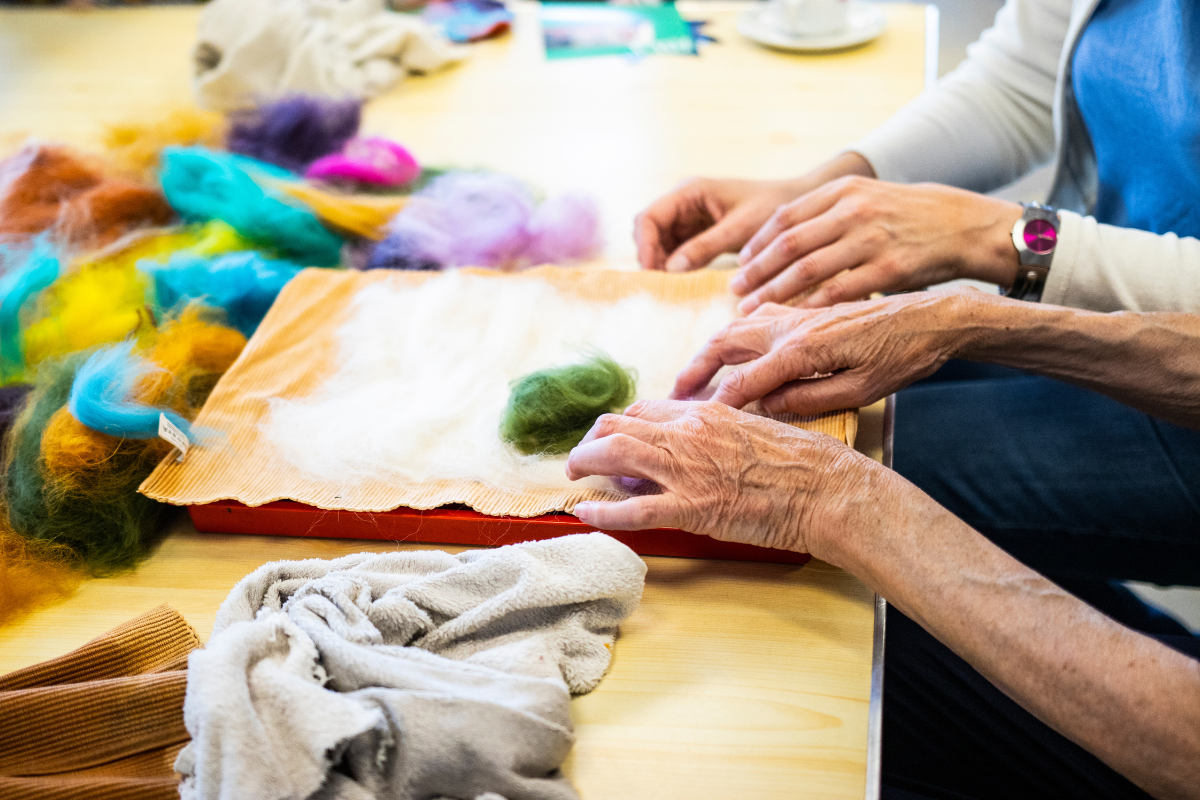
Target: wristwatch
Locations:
point(1034, 235)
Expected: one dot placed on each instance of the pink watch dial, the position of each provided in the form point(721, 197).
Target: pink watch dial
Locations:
point(1040, 236)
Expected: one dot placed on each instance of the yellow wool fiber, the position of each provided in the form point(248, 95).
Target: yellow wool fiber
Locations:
point(134, 146)
point(362, 215)
point(106, 298)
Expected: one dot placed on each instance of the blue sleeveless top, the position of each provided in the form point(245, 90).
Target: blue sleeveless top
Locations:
point(1136, 76)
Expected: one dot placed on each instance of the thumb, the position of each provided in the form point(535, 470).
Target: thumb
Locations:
point(727, 236)
point(849, 389)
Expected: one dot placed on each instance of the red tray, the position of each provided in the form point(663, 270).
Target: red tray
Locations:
point(459, 526)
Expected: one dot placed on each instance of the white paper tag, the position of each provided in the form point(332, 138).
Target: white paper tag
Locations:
point(170, 431)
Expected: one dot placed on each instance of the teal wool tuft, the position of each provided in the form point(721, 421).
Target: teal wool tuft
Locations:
point(549, 411)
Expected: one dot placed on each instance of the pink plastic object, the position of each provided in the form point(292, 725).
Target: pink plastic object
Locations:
point(370, 159)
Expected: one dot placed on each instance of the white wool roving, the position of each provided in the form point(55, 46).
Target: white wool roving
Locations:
point(426, 372)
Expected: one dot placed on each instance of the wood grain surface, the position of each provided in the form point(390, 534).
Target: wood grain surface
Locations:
point(732, 679)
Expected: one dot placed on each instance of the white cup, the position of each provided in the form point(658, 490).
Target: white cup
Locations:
point(809, 17)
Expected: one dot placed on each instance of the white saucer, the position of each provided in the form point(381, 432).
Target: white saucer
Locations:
point(866, 21)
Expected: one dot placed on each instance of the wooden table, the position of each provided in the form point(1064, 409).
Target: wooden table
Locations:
point(731, 680)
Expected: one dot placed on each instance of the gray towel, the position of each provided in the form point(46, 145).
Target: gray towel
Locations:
point(405, 675)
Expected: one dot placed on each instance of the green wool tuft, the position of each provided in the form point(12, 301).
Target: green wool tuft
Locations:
point(549, 411)
point(107, 524)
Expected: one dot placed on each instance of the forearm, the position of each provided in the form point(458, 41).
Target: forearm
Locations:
point(1148, 361)
point(1124, 697)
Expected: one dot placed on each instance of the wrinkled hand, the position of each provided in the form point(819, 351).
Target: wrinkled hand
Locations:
point(723, 473)
point(847, 356)
point(703, 218)
point(890, 237)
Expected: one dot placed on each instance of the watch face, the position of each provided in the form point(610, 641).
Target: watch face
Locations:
point(1040, 236)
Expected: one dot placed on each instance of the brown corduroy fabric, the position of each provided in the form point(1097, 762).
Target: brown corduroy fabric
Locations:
point(157, 639)
point(104, 721)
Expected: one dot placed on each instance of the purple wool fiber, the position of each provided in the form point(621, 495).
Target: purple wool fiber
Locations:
point(564, 228)
point(294, 131)
point(473, 219)
point(637, 486)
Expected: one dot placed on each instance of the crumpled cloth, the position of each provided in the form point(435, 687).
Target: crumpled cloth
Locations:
point(248, 51)
point(405, 675)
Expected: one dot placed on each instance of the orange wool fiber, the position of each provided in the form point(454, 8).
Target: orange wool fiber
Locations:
point(104, 213)
point(48, 187)
point(193, 351)
point(135, 146)
point(33, 574)
point(195, 341)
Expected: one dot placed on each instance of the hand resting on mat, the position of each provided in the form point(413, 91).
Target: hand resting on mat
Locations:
point(861, 352)
point(1125, 697)
point(690, 450)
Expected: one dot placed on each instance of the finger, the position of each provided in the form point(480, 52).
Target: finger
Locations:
point(619, 455)
point(726, 236)
point(759, 378)
point(849, 389)
point(673, 218)
point(857, 284)
point(807, 272)
point(651, 254)
point(787, 248)
point(611, 424)
point(659, 410)
point(738, 343)
point(635, 514)
point(802, 209)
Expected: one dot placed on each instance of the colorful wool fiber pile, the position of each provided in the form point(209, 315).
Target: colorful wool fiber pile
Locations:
point(487, 220)
point(114, 293)
point(81, 447)
point(550, 410)
point(129, 283)
point(204, 185)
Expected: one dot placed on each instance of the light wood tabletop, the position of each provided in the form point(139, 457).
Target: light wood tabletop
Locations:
point(731, 680)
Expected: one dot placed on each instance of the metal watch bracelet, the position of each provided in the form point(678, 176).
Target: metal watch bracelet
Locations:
point(1035, 235)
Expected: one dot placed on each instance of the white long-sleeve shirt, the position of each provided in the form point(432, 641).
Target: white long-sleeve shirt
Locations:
point(1009, 108)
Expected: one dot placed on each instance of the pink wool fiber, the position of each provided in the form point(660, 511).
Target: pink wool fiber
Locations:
point(369, 160)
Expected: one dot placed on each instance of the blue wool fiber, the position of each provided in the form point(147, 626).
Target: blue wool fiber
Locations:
point(294, 131)
point(39, 269)
point(202, 185)
point(244, 285)
point(100, 395)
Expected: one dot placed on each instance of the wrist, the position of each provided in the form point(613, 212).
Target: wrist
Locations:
point(994, 327)
point(855, 517)
point(840, 166)
point(995, 257)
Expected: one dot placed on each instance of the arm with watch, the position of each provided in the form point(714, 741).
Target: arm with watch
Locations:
point(839, 234)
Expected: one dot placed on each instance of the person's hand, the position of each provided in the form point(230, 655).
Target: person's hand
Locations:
point(848, 356)
point(689, 227)
point(855, 236)
point(723, 473)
